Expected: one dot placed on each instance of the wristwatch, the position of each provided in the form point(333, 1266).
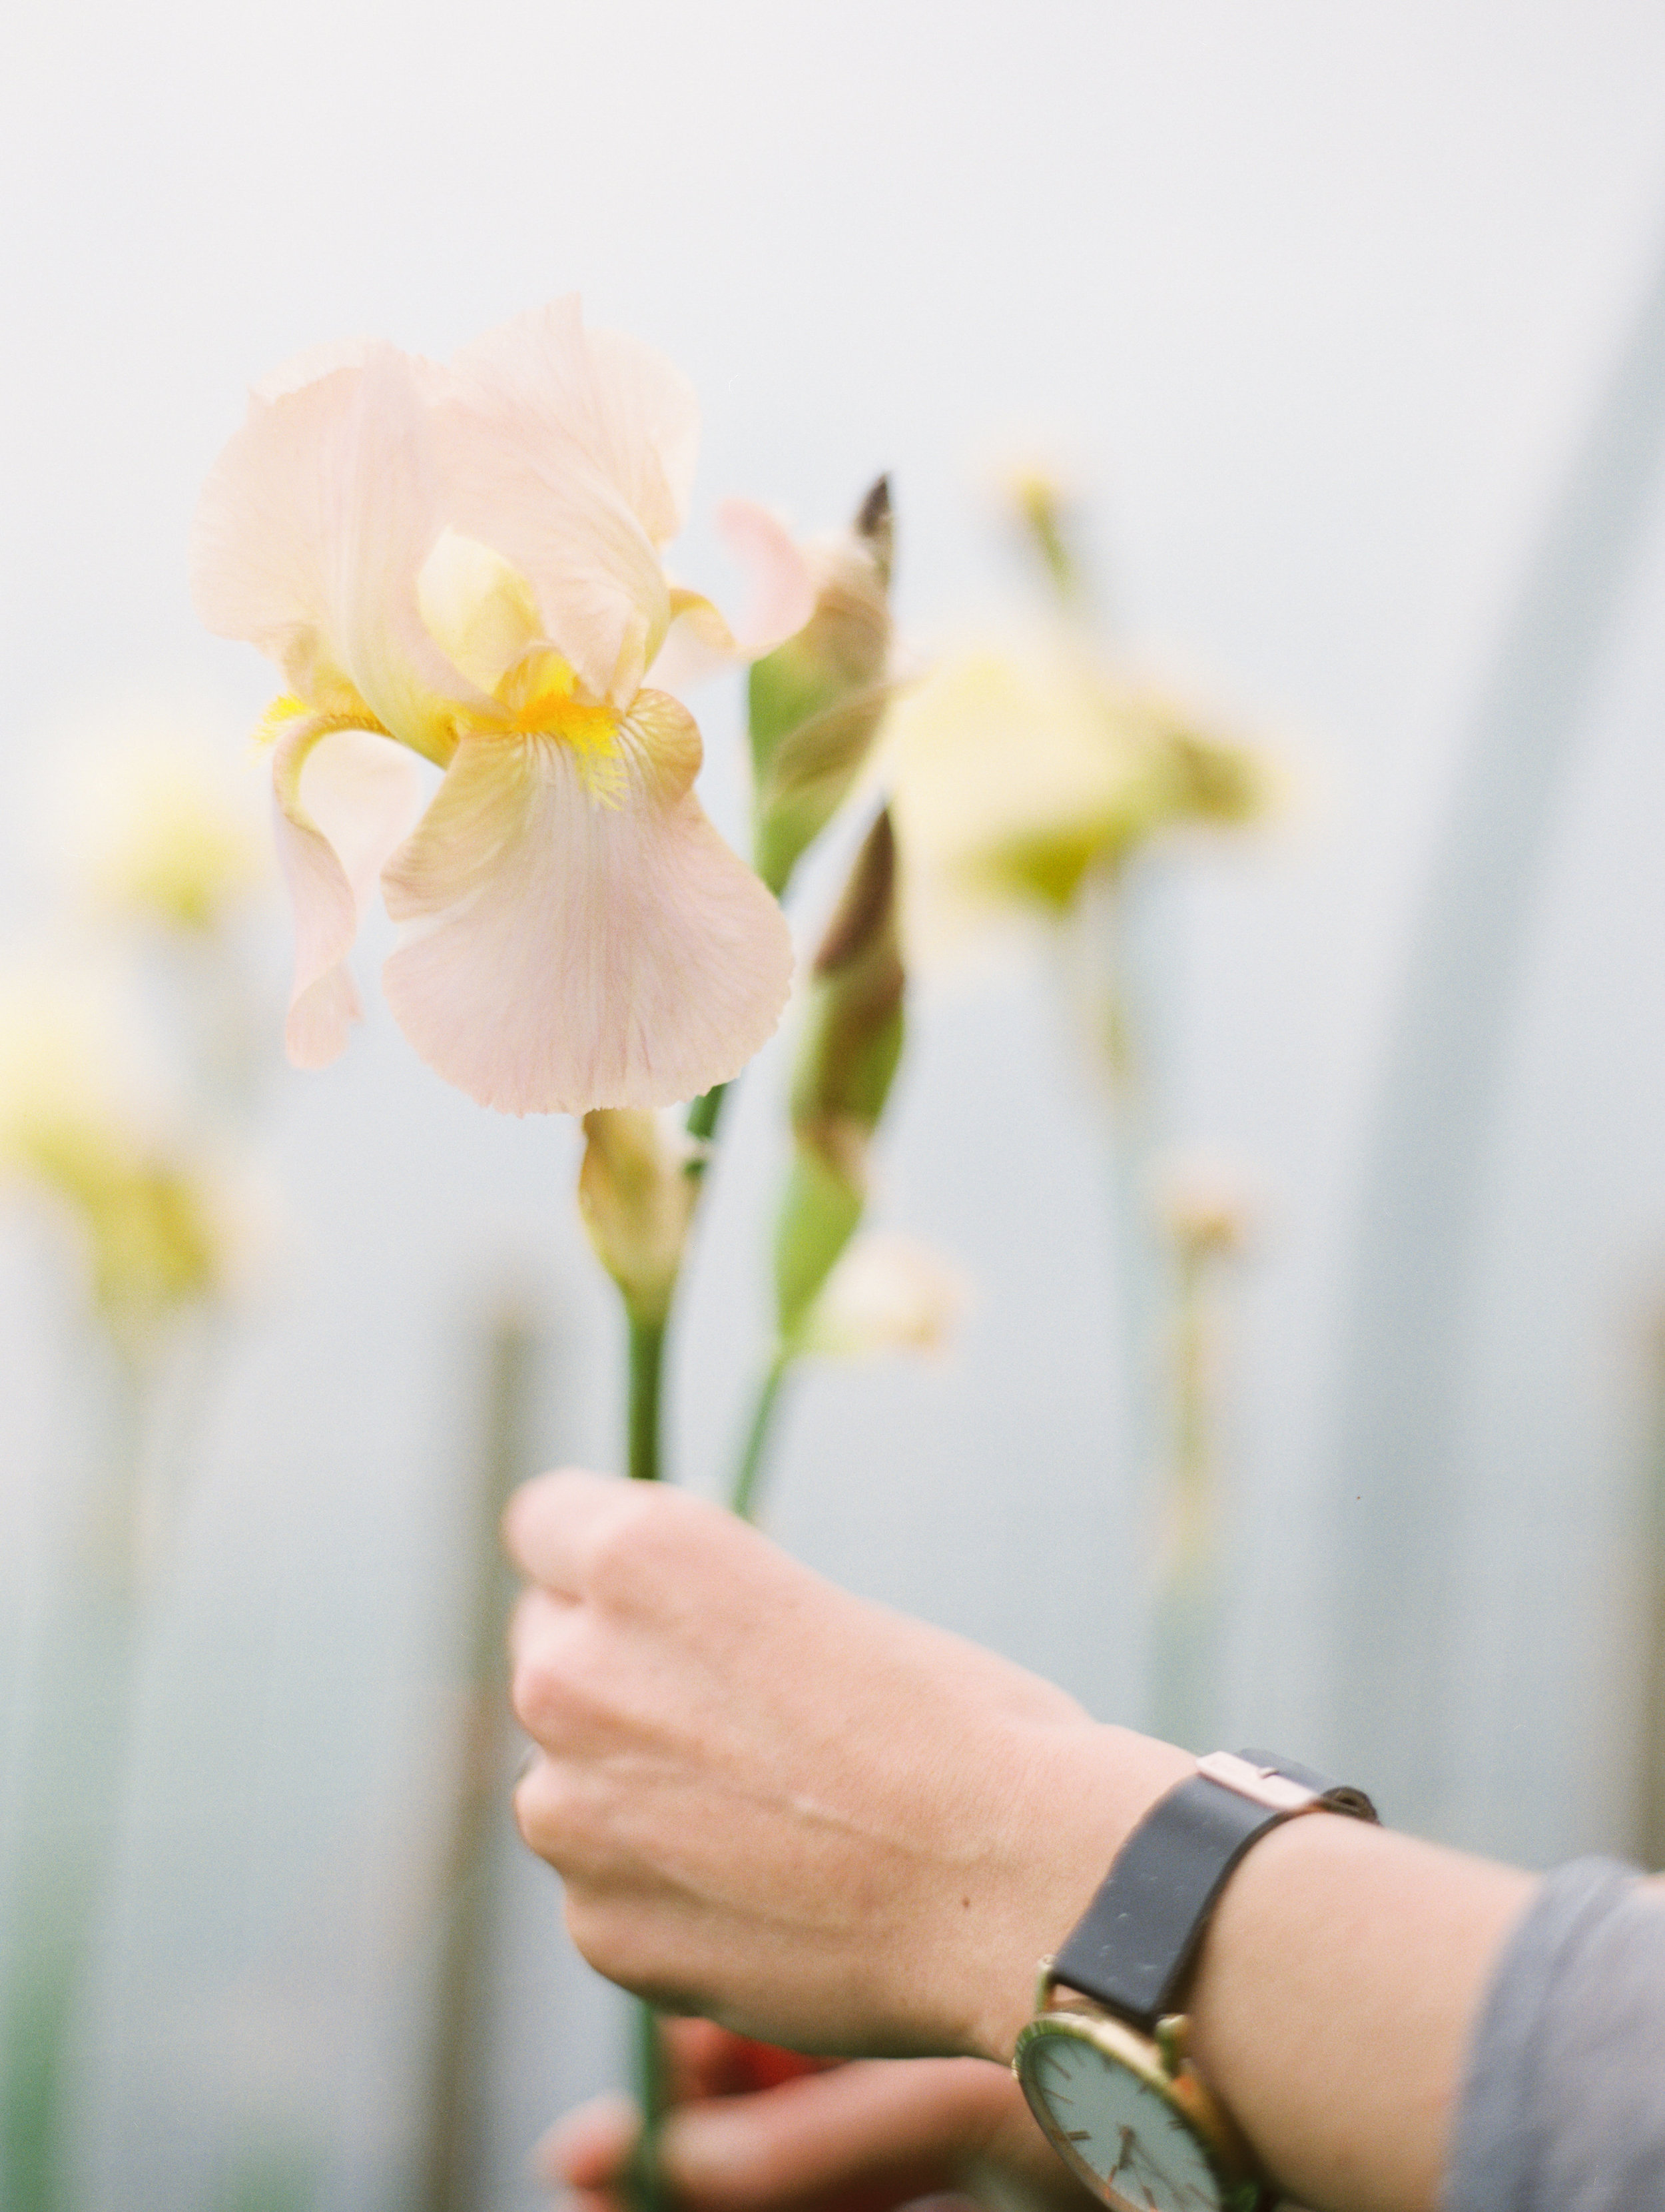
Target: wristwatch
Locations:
point(1104, 2064)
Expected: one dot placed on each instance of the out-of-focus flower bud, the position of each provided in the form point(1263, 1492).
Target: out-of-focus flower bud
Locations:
point(637, 1199)
point(851, 1045)
point(817, 701)
point(887, 1293)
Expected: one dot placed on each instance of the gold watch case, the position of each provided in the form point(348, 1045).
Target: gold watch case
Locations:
point(1155, 2138)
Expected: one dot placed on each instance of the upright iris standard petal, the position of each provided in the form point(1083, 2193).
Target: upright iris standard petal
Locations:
point(578, 938)
point(310, 539)
point(568, 451)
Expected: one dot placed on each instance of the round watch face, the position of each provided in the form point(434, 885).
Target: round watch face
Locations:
point(1113, 2118)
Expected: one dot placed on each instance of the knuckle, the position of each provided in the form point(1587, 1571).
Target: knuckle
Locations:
point(628, 1546)
point(541, 1696)
point(547, 1812)
point(643, 1557)
point(555, 1680)
point(595, 1927)
point(617, 1931)
point(530, 1803)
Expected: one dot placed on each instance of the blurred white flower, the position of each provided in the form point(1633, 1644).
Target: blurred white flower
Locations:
point(887, 1293)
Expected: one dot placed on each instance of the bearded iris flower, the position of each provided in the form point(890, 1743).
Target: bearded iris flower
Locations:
point(467, 559)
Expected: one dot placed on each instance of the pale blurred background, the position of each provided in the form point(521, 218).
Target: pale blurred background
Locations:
point(1337, 317)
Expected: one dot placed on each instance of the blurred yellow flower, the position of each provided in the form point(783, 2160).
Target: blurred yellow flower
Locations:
point(1018, 777)
point(157, 1231)
point(167, 837)
point(1205, 1205)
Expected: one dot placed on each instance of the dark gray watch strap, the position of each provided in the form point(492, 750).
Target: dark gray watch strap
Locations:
point(1132, 1947)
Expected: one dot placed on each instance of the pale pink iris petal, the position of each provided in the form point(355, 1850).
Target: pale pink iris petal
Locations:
point(700, 643)
point(309, 537)
point(365, 794)
point(324, 1002)
point(631, 413)
point(570, 951)
point(782, 578)
point(569, 482)
point(368, 793)
point(311, 363)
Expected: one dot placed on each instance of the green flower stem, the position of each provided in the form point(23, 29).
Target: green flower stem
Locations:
point(644, 2183)
point(646, 1373)
point(644, 2178)
point(1649, 1842)
point(743, 1497)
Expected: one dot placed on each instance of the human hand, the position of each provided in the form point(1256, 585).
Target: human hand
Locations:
point(786, 1810)
point(862, 2137)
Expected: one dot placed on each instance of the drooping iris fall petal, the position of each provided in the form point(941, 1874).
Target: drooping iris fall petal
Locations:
point(580, 935)
point(370, 799)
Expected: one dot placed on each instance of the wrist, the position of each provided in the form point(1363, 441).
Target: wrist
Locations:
point(1079, 1791)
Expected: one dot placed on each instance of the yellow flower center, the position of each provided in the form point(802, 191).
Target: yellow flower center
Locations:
point(539, 693)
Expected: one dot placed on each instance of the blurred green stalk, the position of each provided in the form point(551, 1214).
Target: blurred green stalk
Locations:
point(71, 1820)
point(1185, 1635)
point(748, 1475)
point(453, 2174)
point(646, 1384)
point(1650, 1777)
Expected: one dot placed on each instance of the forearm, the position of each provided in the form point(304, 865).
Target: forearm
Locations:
point(1335, 2002)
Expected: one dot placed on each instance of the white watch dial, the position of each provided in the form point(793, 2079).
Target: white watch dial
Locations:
point(1139, 2151)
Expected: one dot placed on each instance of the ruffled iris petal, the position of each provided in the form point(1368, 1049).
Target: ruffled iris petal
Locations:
point(574, 943)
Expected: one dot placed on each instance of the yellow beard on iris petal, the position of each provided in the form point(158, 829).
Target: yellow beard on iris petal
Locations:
point(540, 695)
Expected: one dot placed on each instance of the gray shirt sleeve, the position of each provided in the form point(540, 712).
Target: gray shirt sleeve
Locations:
point(1564, 2107)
